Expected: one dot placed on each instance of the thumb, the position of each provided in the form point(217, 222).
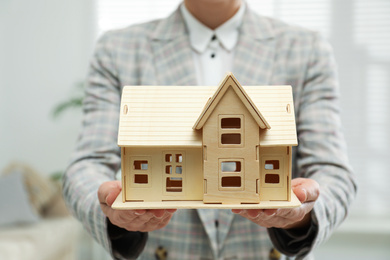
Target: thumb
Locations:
point(108, 191)
point(306, 190)
point(301, 194)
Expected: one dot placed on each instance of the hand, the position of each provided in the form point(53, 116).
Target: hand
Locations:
point(132, 220)
point(307, 191)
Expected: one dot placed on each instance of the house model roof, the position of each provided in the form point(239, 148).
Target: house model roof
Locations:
point(174, 115)
point(231, 82)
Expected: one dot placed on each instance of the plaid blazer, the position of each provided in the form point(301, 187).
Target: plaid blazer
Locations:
point(268, 52)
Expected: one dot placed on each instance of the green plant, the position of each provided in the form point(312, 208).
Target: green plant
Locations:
point(74, 102)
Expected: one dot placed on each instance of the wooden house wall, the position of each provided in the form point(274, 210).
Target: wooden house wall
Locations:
point(230, 104)
point(154, 190)
point(281, 190)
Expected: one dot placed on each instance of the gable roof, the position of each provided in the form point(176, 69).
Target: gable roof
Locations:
point(165, 115)
point(231, 82)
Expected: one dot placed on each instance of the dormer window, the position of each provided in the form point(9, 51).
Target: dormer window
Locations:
point(231, 123)
point(231, 131)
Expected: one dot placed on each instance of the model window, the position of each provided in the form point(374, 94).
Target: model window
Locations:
point(231, 166)
point(272, 165)
point(231, 181)
point(168, 158)
point(141, 178)
point(140, 171)
point(140, 165)
point(231, 138)
point(174, 184)
point(179, 170)
point(174, 171)
point(231, 123)
point(272, 178)
point(231, 174)
point(231, 131)
point(272, 175)
point(179, 158)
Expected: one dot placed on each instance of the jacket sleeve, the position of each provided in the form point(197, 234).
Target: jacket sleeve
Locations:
point(321, 153)
point(96, 158)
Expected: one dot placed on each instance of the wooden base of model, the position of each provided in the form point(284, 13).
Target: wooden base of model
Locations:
point(198, 204)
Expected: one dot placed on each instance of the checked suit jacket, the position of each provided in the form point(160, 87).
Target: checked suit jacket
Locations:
point(269, 52)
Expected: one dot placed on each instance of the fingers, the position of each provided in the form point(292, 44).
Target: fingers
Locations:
point(150, 220)
point(143, 220)
point(279, 218)
point(138, 220)
point(139, 212)
point(270, 212)
point(307, 191)
point(107, 193)
point(158, 213)
point(255, 213)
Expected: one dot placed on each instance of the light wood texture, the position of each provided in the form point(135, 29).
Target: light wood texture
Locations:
point(242, 155)
point(238, 151)
point(165, 115)
point(189, 166)
point(198, 204)
point(231, 83)
point(275, 162)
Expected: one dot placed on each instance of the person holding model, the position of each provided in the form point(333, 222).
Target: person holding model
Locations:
point(196, 45)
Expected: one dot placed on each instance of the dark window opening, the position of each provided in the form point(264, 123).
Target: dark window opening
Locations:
point(231, 138)
point(168, 157)
point(272, 178)
point(141, 178)
point(231, 181)
point(174, 184)
point(272, 165)
point(179, 158)
point(140, 165)
point(231, 123)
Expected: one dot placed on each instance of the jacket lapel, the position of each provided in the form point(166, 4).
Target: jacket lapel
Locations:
point(225, 221)
point(255, 51)
point(253, 59)
point(173, 59)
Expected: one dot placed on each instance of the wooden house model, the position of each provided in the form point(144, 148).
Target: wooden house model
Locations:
point(206, 146)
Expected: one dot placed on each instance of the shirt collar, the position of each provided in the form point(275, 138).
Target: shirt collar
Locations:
point(200, 35)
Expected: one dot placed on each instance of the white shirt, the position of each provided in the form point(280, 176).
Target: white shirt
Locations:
point(213, 53)
point(213, 56)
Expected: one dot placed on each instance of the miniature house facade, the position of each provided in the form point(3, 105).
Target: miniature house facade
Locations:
point(220, 145)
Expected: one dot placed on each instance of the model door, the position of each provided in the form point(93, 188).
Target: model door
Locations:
point(174, 172)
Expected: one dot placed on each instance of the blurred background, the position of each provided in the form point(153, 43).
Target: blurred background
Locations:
point(45, 48)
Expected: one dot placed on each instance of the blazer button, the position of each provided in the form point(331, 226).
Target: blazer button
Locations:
point(274, 254)
point(161, 253)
